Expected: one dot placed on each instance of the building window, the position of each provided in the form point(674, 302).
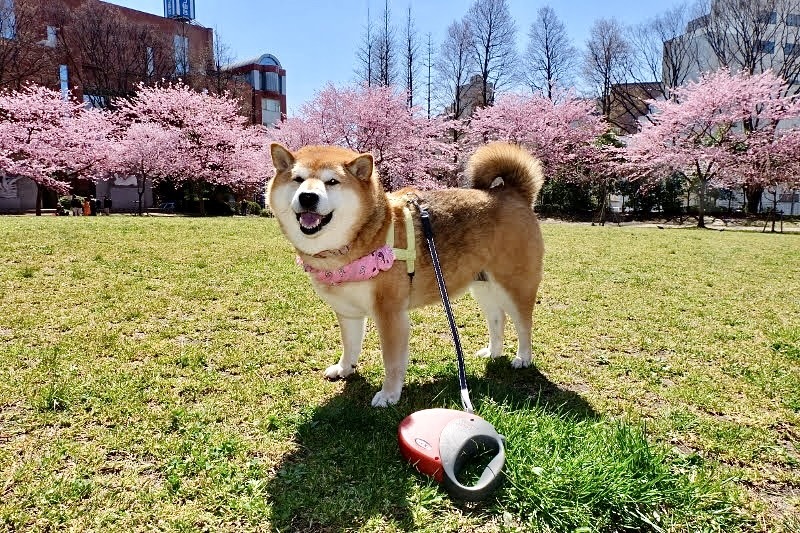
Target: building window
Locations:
point(8, 19)
point(791, 49)
point(50, 42)
point(792, 19)
point(270, 82)
point(768, 17)
point(181, 55)
point(270, 111)
point(95, 101)
point(151, 63)
point(765, 47)
point(63, 79)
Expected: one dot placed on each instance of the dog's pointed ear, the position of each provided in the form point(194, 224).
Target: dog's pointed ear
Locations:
point(281, 157)
point(361, 167)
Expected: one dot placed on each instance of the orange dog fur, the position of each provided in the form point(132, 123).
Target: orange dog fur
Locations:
point(331, 206)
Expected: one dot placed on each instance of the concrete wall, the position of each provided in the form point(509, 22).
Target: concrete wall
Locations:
point(17, 195)
point(124, 195)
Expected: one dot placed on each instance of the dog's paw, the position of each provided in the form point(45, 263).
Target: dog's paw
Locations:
point(336, 371)
point(383, 398)
point(520, 362)
point(486, 352)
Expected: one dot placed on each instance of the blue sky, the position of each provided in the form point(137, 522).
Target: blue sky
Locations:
point(316, 40)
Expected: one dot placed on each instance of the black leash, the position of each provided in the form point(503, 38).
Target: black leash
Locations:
point(427, 229)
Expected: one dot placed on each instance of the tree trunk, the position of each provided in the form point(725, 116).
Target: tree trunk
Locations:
point(688, 201)
point(701, 210)
point(753, 194)
point(603, 203)
point(38, 200)
point(140, 186)
point(197, 190)
point(774, 208)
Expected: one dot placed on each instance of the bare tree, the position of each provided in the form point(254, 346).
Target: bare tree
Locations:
point(453, 71)
point(385, 52)
point(410, 58)
point(662, 52)
point(222, 79)
point(661, 57)
point(429, 67)
point(111, 54)
point(493, 46)
point(365, 56)
point(453, 67)
point(549, 59)
point(606, 61)
point(26, 46)
point(752, 36)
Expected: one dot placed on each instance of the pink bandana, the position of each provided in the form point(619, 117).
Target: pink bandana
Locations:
point(362, 269)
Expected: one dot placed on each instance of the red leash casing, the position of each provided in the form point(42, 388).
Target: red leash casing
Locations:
point(441, 442)
point(418, 436)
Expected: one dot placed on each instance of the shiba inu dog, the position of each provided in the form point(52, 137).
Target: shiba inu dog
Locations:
point(360, 246)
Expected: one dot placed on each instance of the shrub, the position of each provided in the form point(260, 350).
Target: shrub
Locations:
point(563, 198)
point(65, 201)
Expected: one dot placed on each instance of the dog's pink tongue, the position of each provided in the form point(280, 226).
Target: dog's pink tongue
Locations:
point(310, 220)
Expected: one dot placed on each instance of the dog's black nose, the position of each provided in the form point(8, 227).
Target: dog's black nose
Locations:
point(308, 200)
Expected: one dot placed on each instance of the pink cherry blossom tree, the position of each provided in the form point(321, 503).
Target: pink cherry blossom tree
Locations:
point(144, 150)
point(50, 139)
point(408, 148)
point(706, 133)
point(563, 132)
point(209, 141)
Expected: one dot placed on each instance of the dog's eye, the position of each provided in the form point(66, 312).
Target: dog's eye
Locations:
point(298, 179)
point(332, 181)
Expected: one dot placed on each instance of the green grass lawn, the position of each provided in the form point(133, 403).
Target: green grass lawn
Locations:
point(166, 374)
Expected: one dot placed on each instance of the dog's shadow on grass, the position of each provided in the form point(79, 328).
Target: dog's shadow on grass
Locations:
point(347, 470)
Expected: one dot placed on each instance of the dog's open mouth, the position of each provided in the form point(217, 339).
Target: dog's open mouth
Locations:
point(311, 222)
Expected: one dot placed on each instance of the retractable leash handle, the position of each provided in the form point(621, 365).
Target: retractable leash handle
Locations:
point(463, 440)
point(466, 437)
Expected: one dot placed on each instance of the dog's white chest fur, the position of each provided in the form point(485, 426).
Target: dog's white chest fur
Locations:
point(351, 299)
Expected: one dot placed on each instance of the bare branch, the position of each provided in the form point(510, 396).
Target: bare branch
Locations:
point(493, 46)
point(549, 61)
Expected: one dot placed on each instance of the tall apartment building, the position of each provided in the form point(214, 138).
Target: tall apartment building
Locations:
point(752, 35)
point(744, 35)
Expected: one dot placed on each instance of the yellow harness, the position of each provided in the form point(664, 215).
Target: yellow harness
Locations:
point(409, 253)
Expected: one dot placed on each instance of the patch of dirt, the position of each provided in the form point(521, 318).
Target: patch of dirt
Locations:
point(781, 499)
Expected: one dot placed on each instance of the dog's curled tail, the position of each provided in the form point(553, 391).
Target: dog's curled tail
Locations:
point(517, 169)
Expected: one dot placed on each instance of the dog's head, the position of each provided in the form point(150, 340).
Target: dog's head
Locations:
point(319, 195)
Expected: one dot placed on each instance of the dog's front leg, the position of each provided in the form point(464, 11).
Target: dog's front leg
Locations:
point(352, 340)
point(393, 329)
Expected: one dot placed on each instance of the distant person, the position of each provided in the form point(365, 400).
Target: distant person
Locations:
point(107, 204)
point(243, 207)
point(87, 206)
point(60, 211)
point(93, 205)
point(75, 205)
